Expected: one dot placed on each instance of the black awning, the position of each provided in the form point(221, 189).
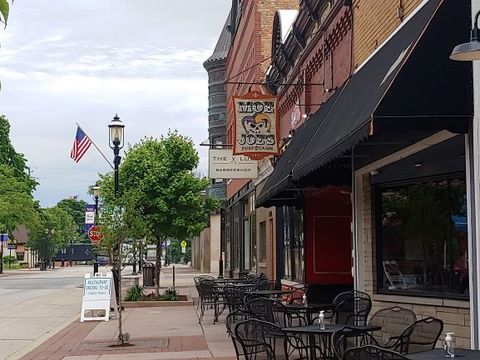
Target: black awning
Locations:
point(280, 181)
point(406, 84)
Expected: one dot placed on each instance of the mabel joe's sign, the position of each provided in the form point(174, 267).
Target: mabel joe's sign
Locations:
point(255, 127)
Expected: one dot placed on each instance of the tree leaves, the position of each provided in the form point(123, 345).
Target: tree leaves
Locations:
point(17, 206)
point(160, 194)
point(10, 157)
point(4, 11)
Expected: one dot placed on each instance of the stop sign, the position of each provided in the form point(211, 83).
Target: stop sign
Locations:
point(95, 234)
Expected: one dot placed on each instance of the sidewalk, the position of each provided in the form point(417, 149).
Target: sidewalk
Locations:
point(156, 333)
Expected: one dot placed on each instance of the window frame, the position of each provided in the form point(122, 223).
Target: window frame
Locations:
point(376, 203)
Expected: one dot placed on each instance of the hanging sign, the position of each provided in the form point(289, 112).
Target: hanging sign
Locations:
point(255, 129)
point(89, 214)
point(224, 165)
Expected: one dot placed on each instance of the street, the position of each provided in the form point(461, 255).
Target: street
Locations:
point(36, 305)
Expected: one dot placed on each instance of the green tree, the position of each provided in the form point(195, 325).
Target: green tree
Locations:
point(57, 230)
point(76, 209)
point(168, 196)
point(17, 206)
point(15, 160)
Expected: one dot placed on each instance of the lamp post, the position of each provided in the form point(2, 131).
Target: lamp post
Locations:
point(116, 137)
point(96, 194)
point(116, 143)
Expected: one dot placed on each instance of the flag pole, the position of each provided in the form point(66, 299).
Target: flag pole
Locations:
point(96, 147)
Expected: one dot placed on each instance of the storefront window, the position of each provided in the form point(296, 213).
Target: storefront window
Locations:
point(262, 242)
point(293, 244)
point(228, 242)
point(422, 238)
point(246, 232)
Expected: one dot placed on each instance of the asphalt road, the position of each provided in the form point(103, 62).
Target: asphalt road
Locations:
point(35, 305)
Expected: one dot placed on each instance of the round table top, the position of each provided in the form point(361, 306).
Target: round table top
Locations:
point(436, 354)
point(268, 292)
point(309, 306)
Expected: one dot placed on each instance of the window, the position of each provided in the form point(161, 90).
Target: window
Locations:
point(422, 238)
point(293, 244)
point(263, 242)
point(228, 243)
point(247, 244)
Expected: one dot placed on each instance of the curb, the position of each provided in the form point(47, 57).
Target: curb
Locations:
point(32, 346)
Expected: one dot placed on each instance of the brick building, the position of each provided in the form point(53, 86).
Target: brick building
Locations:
point(372, 186)
point(249, 234)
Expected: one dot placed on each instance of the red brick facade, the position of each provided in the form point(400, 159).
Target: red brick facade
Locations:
point(251, 45)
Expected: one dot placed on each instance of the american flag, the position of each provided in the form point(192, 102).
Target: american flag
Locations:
point(80, 145)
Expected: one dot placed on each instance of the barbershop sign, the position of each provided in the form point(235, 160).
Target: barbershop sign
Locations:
point(255, 130)
point(224, 165)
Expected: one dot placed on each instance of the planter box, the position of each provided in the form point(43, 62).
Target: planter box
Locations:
point(183, 301)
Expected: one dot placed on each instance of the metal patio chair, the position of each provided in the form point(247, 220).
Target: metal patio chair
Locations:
point(393, 321)
point(371, 352)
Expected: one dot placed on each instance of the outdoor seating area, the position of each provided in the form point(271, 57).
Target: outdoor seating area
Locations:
point(266, 322)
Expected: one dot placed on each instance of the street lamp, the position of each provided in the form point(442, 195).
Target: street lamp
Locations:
point(116, 138)
point(96, 194)
point(116, 143)
point(469, 51)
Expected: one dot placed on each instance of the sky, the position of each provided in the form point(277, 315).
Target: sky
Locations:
point(64, 62)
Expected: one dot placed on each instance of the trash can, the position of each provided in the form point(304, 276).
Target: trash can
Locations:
point(148, 274)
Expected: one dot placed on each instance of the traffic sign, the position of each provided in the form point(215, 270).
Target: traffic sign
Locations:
point(183, 244)
point(11, 246)
point(95, 234)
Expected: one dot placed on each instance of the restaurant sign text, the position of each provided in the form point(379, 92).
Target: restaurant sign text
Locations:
point(255, 125)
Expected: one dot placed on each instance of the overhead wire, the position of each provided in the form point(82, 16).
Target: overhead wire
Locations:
point(271, 57)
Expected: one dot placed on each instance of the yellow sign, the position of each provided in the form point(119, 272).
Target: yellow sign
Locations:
point(183, 243)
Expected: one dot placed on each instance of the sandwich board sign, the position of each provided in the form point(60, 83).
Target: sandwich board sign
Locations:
point(97, 297)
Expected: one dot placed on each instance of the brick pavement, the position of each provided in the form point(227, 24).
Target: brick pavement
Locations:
point(161, 333)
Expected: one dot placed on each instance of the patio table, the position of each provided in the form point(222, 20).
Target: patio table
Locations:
point(269, 293)
point(325, 335)
point(437, 354)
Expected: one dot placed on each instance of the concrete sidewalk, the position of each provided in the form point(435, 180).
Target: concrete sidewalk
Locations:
point(155, 333)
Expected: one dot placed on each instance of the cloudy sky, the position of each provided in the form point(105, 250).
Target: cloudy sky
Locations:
point(69, 61)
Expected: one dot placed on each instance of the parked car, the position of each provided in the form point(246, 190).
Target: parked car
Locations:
point(103, 260)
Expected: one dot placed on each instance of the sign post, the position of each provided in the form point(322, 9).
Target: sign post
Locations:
point(3, 237)
point(11, 245)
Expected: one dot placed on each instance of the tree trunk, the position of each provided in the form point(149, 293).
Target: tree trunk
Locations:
point(158, 265)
